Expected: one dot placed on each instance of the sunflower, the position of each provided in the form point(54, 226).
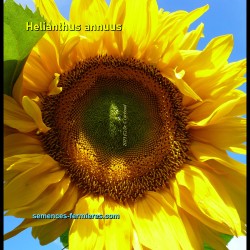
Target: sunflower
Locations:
point(127, 119)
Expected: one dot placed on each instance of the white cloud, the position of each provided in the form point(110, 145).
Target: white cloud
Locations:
point(238, 243)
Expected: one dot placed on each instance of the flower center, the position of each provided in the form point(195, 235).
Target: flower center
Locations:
point(114, 118)
point(117, 127)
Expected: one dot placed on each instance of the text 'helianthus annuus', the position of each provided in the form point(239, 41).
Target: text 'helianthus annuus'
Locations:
point(130, 119)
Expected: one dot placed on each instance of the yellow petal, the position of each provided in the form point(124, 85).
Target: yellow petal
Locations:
point(212, 238)
point(217, 134)
point(202, 195)
point(175, 30)
point(167, 24)
point(36, 75)
point(211, 111)
point(88, 8)
point(184, 234)
point(15, 144)
point(136, 243)
point(119, 228)
point(235, 183)
point(153, 219)
point(204, 152)
point(8, 130)
point(92, 13)
point(192, 229)
point(17, 164)
point(21, 162)
point(191, 17)
point(203, 234)
point(191, 39)
point(13, 232)
point(18, 89)
point(33, 110)
point(33, 78)
point(218, 50)
point(49, 11)
point(53, 89)
point(239, 108)
point(27, 186)
point(239, 149)
point(67, 202)
point(25, 224)
point(45, 57)
point(15, 117)
point(214, 55)
point(66, 50)
point(139, 26)
point(51, 231)
point(87, 48)
point(44, 202)
point(84, 233)
point(152, 54)
point(116, 14)
point(221, 81)
point(176, 78)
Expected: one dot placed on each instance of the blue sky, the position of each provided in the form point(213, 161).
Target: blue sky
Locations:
point(223, 17)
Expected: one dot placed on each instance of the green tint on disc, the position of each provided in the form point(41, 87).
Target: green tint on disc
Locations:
point(115, 121)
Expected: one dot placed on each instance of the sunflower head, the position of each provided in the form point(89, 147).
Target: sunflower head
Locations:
point(120, 126)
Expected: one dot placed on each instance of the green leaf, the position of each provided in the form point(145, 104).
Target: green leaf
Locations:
point(18, 42)
point(12, 69)
point(225, 237)
point(64, 238)
point(207, 247)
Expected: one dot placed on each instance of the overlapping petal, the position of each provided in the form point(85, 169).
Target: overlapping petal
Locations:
point(18, 143)
point(121, 228)
point(15, 116)
point(158, 213)
point(49, 232)
point(49, 11)
point(204, 197)
point(86, 233)
point(204, 152)
point(217, 134)
point(32, 182)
